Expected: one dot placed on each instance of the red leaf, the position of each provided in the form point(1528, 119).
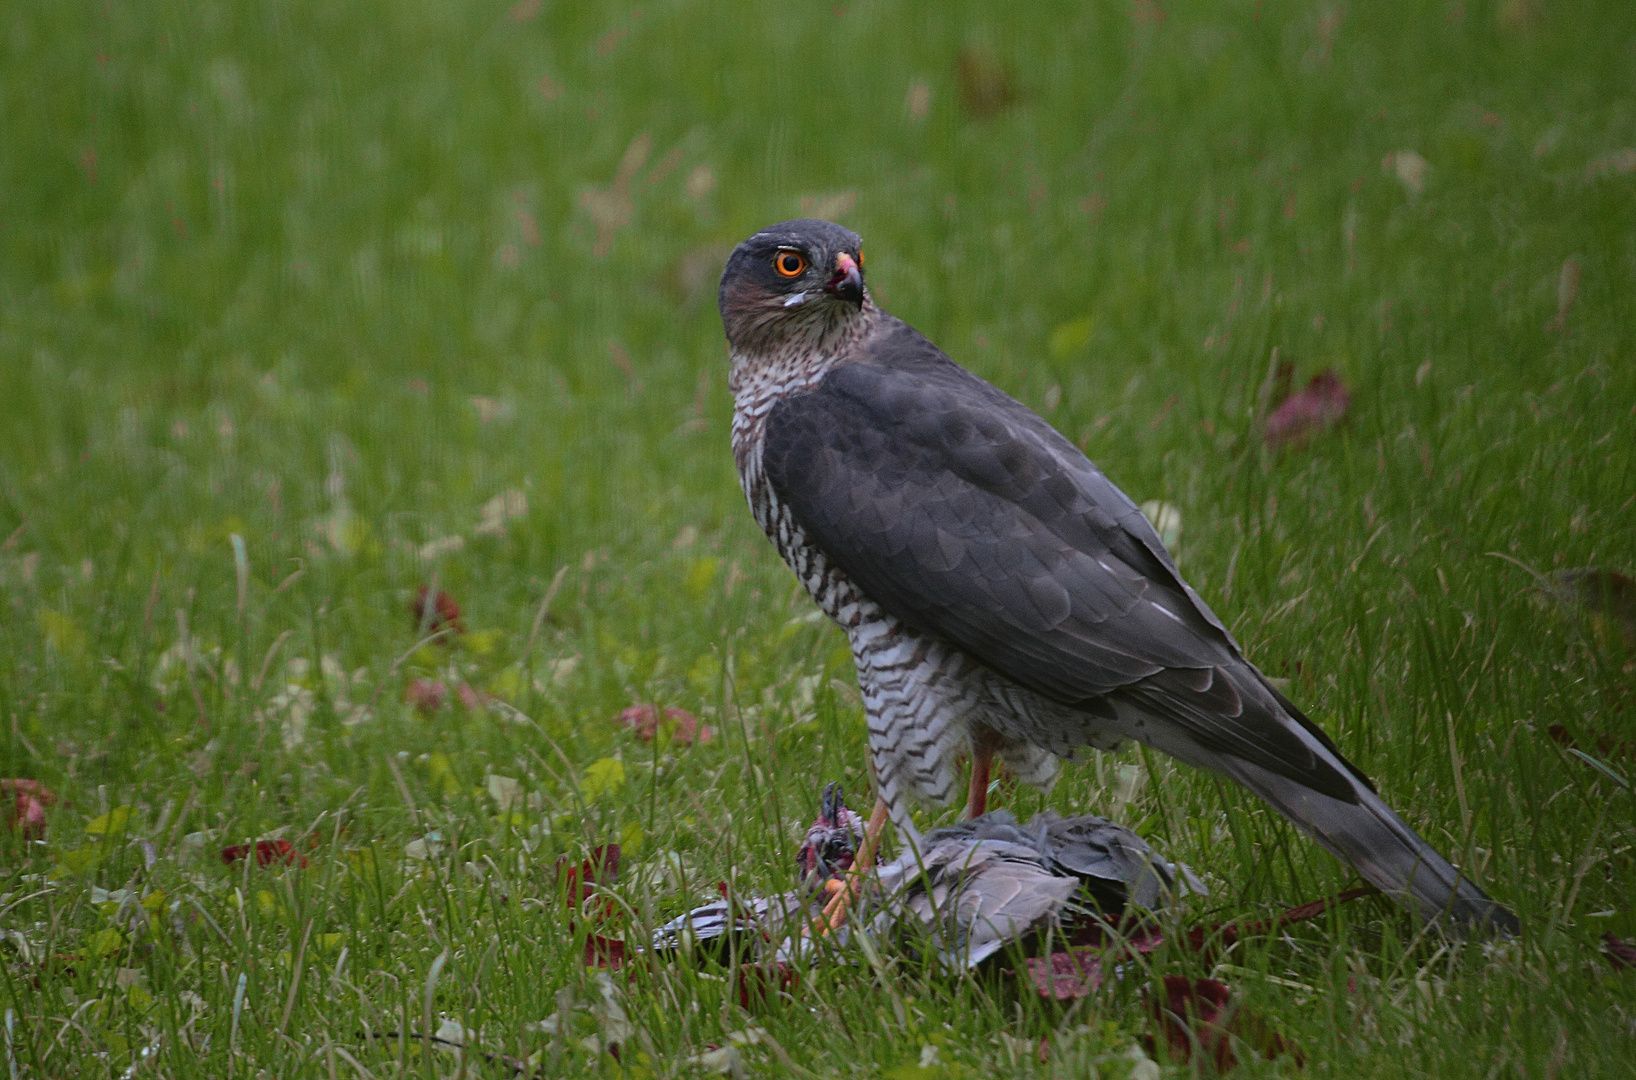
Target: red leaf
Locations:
point(1064, 976)
point(1322, 402)
point(685, 728)
point(1621, 954)
point(1198, 1014)
point(604, 952)
point(267, 853)
point(602, 868)
point(1606, 745)
point(1190, 1016)
point(445, 613)
point(758, 982)
point(1078, 970)
point(29, 800)
point(426, 695)
point(472, 698)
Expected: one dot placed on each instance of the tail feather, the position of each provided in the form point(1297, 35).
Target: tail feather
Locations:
point(1390, 855)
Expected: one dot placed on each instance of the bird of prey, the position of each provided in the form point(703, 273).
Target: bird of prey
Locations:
point(970, 888)
point(1001, 596)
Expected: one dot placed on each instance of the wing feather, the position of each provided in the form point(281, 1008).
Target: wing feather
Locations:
point(966, 516)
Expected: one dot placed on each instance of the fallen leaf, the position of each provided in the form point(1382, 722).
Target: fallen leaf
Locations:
point(700, 182)
point(1410, 168)
point(1320, 404)
point(683, 727)
point(29, 800)
point(918, 100)
point(1079, 970)
point(1621, 954)
point(1070, 337)
point(1567, 290)
point(1619, 163)
point(506, 791)
point(444, 613)
point(693, 275)
point(267, 853)
point(605, 776)
point(611, 208)
point(1166, 519)
point(427, 696)
point(828, 206)
point(577, 882)
point(472, 698)
point(985, 81)
point(1606, 744)
point(1199, 1019)
point(1606, 595)
point(604, 952)
point(758, 982)
point(504, 507)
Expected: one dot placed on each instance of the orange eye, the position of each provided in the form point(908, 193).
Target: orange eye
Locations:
point(789, 264)
point(860, 258)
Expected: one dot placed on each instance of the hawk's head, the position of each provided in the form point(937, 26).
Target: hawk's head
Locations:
point(831, 844)
point(798, 281)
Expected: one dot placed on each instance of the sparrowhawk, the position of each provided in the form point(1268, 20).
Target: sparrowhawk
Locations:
point(1002, 596)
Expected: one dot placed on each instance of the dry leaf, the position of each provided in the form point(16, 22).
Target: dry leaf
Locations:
point(1608, 596)
point(683, 726)
point(29, 800)
point(1410, 168)
point(1199, 1015)
point(426, 696)
point(444, 614)
point(610, 207)
point(267, 852)
point(985, 81)
point(1619, 163)
point(1621, 954)
point(1322, 402)
point(1567, 290)
point(506, 506)
point(918, 100)
point(828, 206)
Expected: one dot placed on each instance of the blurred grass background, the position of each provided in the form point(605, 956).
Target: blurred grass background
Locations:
point(336, 278)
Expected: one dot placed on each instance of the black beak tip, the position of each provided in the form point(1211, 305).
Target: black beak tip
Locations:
point(848, 285)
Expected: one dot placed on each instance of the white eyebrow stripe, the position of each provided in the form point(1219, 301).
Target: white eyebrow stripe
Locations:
point(798, 298)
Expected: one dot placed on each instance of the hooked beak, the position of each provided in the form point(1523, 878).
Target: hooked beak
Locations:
point(847, 281)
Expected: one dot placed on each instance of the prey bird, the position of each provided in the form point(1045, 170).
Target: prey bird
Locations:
point(970, 888)
point(1001, 596)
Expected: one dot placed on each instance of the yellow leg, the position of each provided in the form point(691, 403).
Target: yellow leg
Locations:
point(835, 911)
point(982, 758)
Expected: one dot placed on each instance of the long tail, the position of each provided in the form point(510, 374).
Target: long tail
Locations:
point(1369, 836)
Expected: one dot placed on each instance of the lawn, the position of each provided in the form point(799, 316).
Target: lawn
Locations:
point(307, 306)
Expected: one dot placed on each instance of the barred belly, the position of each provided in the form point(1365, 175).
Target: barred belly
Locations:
point(925, 700)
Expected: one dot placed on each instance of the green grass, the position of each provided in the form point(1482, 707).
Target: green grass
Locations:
point(258, 260)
